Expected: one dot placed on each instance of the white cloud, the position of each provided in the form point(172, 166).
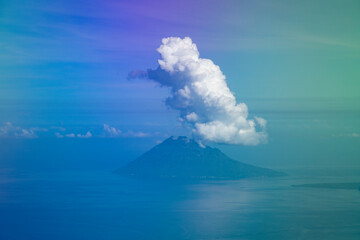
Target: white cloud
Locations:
point(70, 135)
point(73, 135)
point(87, 135)
point(192, 117)
point(112, 131)
point(61, 129)
point(353, 135)
point(25, 133)
point(200, 93)
point(262, 122)
point(10, 130)
point(58, 135)
point(136, 134)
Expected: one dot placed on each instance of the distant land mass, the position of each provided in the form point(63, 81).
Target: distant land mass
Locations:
point(182, 157)
point(348, 185)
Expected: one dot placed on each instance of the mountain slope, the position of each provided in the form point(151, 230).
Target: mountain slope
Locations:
point(181, 157)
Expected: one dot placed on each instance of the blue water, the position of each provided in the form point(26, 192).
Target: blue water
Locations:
point(101, 205)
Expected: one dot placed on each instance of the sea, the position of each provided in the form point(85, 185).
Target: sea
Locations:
point(100, 205)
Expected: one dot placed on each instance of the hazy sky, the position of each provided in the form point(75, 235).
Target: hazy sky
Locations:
point(64, 67)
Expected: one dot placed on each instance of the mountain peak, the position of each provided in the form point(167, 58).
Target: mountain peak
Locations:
point(182, 157)
point(179, 139)
point(183, 140)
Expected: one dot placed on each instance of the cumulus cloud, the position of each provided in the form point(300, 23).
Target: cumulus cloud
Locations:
point(201, 95)
point(112, 131)
point(10, 130)
point(70, 135)
point(59, 135)
point(87, 135)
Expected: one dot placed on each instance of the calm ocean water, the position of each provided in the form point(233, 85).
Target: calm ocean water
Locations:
point(101, 205)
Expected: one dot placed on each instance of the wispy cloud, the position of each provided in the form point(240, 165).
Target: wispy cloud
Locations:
point(70, 135)
point(58, 135)
point(351, 135)
point(136, 134)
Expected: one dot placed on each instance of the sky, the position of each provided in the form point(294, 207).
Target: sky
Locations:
point(64, 68)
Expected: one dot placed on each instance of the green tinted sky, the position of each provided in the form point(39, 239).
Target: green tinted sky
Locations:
point(291, 49)
point(65, 64)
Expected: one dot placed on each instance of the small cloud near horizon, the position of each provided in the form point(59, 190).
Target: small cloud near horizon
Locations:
point(73, 135)
point(114, 132)
point(87, 135)
point(70, 135)
point(353, 135)
point(10, 130)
